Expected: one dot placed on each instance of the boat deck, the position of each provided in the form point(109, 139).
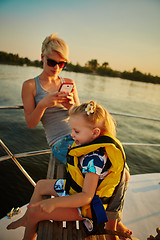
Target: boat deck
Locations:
point(141, 213)
point(142, 205)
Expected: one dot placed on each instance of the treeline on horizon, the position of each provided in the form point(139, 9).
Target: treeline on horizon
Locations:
point(91, 67)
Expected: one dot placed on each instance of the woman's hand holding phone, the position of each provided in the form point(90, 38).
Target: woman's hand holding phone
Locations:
point(63, 96)
point(69, 101)
point(67, 88)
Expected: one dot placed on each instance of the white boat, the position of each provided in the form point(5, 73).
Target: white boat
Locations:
point(141, 212)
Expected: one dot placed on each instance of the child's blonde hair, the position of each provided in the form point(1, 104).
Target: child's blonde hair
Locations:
point(96, 116)
point(52, 43)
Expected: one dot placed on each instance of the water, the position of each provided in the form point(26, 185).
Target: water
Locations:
point(117, 95)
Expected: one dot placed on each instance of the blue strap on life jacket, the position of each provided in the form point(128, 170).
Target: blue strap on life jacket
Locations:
point(99, 211)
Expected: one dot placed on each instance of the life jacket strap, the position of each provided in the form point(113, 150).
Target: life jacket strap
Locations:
point(98, 212)
point(71, 183)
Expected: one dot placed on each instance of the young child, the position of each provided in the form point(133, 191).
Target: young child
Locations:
point(95, 166)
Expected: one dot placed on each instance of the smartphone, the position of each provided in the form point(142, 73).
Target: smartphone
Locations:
point(66, 87)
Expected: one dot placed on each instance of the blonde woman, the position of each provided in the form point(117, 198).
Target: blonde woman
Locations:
point(41, 97)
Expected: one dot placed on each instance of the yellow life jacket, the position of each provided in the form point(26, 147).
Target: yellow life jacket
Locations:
point(75, 179)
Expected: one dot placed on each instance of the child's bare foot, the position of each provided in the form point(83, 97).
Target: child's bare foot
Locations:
point(19, 223)
point(122, 228)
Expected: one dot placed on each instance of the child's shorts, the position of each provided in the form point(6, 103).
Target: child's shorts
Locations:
point(58, 187)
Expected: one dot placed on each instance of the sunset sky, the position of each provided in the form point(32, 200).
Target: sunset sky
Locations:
point(124, 33)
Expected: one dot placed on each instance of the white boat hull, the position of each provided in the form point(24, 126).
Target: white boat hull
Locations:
point(141, 212)
point(16, 234)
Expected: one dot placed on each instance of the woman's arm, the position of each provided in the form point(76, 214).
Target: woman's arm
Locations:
point(33, 113)
point(73, 201)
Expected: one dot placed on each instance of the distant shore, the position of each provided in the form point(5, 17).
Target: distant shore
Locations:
point(91, 67)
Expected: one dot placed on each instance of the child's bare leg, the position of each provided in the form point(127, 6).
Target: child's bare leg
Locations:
point(36, 215)
point(43, 187)
point(120, 226)
point(111, 225)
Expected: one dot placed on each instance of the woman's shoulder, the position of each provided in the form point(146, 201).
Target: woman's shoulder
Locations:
point(29, 85)
point(29, 82)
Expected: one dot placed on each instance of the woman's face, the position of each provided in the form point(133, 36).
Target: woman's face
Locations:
point(53, 70)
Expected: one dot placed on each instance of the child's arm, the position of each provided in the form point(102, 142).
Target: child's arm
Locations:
point(73, 201)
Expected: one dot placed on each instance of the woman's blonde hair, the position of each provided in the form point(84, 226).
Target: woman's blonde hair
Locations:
point(52, 43)
point(96, 116)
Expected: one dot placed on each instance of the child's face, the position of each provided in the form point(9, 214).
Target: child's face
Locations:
point(81, 131)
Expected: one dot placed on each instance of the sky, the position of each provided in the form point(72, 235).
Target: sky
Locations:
point(124, 33)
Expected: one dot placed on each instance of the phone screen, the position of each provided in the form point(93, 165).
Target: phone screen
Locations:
point(66, 87)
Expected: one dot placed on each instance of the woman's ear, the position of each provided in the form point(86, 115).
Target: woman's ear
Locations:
point(96, 132)
point(42, 57)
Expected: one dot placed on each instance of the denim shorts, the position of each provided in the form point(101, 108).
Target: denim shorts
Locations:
point(60, 148)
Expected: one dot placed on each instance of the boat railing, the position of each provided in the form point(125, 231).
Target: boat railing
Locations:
point(48, 151)
point(12, 107)
point(26, 154)
point(113, 113)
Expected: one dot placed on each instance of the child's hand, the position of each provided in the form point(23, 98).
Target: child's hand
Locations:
point(46, 205)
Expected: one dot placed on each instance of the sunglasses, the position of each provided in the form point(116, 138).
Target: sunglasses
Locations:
point(53, 63)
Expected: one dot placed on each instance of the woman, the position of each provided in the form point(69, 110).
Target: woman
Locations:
point(41, 99)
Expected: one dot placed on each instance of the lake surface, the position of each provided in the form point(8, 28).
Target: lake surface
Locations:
point(117, 95)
